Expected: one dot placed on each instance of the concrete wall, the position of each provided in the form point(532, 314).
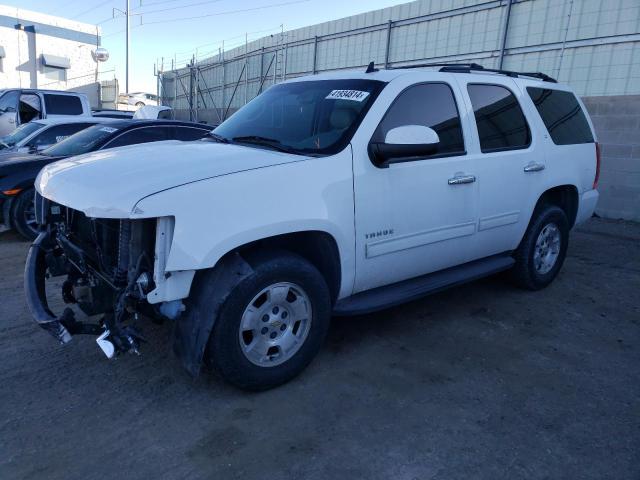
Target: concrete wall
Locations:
point(22, 65)
point(617, 123)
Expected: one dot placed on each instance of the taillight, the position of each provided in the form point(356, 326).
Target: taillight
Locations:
point(598, 155)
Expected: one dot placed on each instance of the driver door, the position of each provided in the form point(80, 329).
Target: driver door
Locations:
point(414, 217)
point(8, 112)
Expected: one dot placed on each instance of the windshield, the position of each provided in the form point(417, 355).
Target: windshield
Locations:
point(84, 141)
point(315, 117)
point(19, 134)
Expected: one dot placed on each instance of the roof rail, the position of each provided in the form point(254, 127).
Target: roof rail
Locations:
point(474, 67)
point(468, 68)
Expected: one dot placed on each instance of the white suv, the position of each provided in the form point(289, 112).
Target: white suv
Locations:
point(340, 193)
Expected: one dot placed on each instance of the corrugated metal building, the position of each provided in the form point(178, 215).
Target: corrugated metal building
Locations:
point(593, 45)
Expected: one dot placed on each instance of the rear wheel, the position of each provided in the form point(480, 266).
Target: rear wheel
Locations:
point(140, 104)
point(543, 248)
point(272, 324)
point(23, 215)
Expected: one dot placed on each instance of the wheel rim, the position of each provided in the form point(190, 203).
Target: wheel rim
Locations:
point(547, 248)
point(29, 215)
point(275, 324)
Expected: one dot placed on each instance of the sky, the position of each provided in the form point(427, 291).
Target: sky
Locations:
point(175, 28)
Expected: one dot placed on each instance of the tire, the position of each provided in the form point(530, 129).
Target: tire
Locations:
point(289, 291)
point(140, 104)
point(23, 215)
point(538, 257)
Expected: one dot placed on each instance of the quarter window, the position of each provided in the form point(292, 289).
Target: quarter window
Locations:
point(562, 115)
point(429, 105)
point(499, 118)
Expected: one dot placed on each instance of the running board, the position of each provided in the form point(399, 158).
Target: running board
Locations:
point(414, 288)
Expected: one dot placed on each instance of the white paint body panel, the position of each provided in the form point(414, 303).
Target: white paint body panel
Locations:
point(222, 196)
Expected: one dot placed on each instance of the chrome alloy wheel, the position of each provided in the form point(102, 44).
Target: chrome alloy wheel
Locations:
point(275, 324)
point(547, 249)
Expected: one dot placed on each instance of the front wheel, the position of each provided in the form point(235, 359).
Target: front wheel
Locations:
point(543, 248)
point(272, 324)
point(23, 215)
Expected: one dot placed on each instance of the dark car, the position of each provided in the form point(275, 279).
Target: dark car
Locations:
point(18, 171)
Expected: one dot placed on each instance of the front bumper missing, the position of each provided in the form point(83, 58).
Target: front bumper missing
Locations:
point(34, 288)
point(63, 327)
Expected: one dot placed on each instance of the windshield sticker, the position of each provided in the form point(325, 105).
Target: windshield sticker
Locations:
point(108, 129)
point(59, 138)
point(355, 95)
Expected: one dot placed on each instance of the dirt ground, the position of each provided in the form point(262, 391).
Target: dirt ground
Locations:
point(483, 381)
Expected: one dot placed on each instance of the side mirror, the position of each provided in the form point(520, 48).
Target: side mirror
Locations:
point(402, 142)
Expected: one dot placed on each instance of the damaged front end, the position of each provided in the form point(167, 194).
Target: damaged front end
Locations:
point(108, 264)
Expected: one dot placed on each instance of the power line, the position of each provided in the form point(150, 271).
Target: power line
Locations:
point(91, 9)
point(174, 8)
point(229, 12)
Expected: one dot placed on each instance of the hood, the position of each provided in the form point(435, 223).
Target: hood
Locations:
point(108, 183)
point(15, 161)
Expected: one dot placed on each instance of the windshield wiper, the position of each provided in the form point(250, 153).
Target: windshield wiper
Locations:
point(268, 142)
point(217, 138)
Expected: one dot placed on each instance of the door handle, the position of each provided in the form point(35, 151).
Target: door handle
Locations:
point(534, 167)
point(461, 179)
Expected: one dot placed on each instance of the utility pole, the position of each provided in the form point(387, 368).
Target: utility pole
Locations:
point(127, 50)
point(127, 15)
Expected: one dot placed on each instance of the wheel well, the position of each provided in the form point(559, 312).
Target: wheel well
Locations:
point(563, 196)
point(319, 248)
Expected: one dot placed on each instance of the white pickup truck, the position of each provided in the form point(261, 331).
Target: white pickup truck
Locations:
point(333, 194)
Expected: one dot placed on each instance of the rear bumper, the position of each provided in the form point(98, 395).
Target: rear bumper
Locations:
point(587, 205)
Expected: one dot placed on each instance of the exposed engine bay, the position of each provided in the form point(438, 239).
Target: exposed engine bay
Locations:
point(108, 265)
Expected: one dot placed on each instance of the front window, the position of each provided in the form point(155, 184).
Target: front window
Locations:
point(84, 141)
point(19, 134)
point(310, 118)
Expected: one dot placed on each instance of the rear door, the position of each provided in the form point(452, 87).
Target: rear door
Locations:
point(509, 158)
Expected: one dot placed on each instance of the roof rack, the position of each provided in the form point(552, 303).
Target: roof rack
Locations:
point(470, 67)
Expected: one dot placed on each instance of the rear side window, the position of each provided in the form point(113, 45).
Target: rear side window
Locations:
point(501, 123)
point(142, 135)
point(62, 104)
point(430, 105)
point(562, 115)
point(189, 133)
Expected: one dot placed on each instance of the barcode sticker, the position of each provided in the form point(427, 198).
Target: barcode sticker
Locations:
point(355, 95)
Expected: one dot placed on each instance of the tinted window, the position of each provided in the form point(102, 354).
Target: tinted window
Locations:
point(62, 104)
point(501, 123)
point(142, 135)
point(430, 105)
point(189, 133)
point(562, 115)
point(58, 133)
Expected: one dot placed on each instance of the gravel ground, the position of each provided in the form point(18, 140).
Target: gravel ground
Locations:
point(483, 381)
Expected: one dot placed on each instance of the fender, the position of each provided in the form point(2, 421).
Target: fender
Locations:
point(191, 332)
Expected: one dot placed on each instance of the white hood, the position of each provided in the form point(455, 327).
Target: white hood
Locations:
point(108, 183)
